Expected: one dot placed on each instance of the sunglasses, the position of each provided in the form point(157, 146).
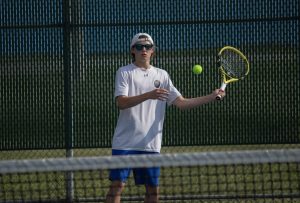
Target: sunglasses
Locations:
point(140, 47)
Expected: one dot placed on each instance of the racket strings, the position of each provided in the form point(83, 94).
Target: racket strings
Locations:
point(233, 64)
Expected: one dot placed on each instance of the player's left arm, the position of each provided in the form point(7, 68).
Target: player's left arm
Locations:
point(189, 103)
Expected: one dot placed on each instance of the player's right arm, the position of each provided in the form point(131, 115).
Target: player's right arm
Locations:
point(124, 102)
point(189, 103)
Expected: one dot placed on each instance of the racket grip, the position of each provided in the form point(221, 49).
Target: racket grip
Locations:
point(222, 89)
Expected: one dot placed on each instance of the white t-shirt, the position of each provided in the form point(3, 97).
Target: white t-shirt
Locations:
point(140, 127)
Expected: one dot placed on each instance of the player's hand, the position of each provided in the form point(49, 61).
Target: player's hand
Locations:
point(218, 92)
point(159, 93)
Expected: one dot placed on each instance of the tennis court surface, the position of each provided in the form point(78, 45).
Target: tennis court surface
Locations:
point(229, 176)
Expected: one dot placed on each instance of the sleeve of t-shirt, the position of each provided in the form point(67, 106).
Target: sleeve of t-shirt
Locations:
point(173, 92)
point(121, 83)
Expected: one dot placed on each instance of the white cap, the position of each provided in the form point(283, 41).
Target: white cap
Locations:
point(137, 38)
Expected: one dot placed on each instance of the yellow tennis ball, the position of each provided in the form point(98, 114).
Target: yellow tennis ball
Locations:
point(197, 69)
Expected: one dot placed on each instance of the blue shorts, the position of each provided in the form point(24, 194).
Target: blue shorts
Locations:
point(142, 176)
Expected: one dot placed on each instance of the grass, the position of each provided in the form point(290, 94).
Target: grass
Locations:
point(57, 153)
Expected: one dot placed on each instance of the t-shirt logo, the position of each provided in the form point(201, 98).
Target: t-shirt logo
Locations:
point(157, 83)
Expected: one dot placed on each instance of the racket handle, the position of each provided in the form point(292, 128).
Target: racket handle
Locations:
point(222, 89)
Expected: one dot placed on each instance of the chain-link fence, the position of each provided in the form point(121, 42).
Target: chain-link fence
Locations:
point(59, 58)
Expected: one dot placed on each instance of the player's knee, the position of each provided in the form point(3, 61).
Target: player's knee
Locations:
point(116, 188)
point(152, 192)
point(114, 193)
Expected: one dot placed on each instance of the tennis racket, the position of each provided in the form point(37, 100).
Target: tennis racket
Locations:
point(233, 65)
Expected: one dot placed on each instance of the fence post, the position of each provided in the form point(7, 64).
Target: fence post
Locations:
point(68, 118)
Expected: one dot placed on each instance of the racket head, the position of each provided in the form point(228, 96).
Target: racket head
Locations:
point(233, 64)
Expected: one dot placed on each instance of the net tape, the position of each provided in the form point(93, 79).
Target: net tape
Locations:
point(163, 160)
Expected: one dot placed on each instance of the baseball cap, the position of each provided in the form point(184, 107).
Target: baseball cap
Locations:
point(136, 38)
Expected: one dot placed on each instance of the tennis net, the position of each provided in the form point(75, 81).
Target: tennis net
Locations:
point(230, 176)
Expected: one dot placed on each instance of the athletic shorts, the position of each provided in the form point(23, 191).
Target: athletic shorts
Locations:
point(142, 176)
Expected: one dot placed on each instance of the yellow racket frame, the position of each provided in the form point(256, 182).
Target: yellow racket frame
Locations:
point(227, 78)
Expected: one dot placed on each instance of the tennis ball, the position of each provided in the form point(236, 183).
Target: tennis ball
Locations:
point(197, 69)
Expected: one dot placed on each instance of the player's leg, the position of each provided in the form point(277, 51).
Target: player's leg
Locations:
point(118, 177)
point(115, 190)
point(150, 178)
point(152, 194)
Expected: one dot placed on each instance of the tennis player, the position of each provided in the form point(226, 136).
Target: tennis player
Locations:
point(142, 93)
